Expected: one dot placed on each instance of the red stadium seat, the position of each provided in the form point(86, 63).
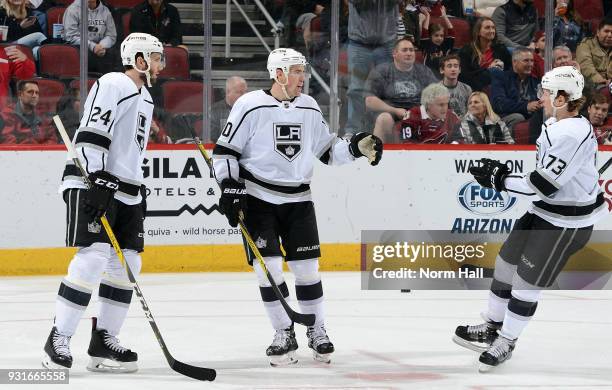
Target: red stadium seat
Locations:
point(521, 132)
point(54, 15)
point(183, 96)
point(75, 84)
point(124, 3)
point(589, 9)
point(51, 92)
point(461, 28)
point(343, 62)
point(125, 23)
point(64, 2)
point(61, 61)
point(540, 6)
point(177, 63)
point(418, 56)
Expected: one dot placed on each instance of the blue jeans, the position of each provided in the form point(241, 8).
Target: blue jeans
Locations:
point(361, 59)
point(32, 41)
point(42, 19)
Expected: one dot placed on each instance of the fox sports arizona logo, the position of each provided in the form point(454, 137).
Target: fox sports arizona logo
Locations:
point(484, 201)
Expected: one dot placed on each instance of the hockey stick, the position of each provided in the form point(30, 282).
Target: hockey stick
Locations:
point(605, 166)
point(195, 372)
point(300, 318)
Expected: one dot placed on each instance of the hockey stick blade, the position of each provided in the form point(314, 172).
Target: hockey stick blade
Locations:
point(199, 373)
point(605, 166)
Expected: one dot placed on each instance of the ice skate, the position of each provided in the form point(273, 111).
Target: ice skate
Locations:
point(321, 346)
point(57, 351)
point(477, 337)
point(282, 350)
point(499, 352)
point(107, 355)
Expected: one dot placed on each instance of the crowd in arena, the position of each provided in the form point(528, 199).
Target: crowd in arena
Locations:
point(412, 71)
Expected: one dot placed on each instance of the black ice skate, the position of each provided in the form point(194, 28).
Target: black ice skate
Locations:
point(498, 352)
point(107, 355)
point(57, 351)
point(477, 337)
point(282, 350)
point(318, 341)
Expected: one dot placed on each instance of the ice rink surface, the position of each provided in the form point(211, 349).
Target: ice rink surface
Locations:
point(383, 339)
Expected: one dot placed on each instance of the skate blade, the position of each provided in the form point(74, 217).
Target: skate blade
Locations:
point(321, 357)
point(283, 360)
point(51, 365)
point(471, 346)
point(97, 364)
point(484, 368)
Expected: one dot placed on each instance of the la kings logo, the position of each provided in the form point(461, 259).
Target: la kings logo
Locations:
point(288, 139)
point(140, 131)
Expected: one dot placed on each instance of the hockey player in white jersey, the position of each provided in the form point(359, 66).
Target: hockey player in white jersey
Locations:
point(567, 202)
point(110, 142)
point(263, 161)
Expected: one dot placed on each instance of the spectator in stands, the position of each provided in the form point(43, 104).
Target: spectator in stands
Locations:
point(13, 64)
point(538, 45)
point(21, 124)
point(436, 42)
point(292, 9)
point(514, 93)
point(450, 68)
point(595, 56)
point(481, 125)
point(158, 134)
point(68, 110)
point(482, 56)
point(516, 23)
point(568, 27)
point(235, 87)
point(430, 123)
point(597, 113)
point(372, 32)
point(393, 88)
point(102, 34)
point(23, 26)
point(482, 8)
point(160, 19)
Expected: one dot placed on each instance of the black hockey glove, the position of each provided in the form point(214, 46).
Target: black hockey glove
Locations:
point(99, 196)
point(491, 174)
point(233, 200)
point(368, 145)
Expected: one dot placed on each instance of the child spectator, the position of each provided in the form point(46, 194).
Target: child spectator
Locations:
point(435, 42)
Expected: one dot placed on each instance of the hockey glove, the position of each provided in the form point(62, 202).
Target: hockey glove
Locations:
point(368, 145)
point(233, 200)
point(99, 196)
point(491, 174)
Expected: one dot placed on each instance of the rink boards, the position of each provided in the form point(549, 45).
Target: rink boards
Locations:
point(415, 188)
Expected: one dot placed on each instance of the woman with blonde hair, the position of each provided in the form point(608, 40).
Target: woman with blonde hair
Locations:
point(23, 26)
point(481, 125)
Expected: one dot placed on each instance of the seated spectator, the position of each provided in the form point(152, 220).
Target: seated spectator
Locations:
point(595, 57)
point(13, 64)
point(450, 68)
point(568, 27)
point(101, 36)
point(68, 110)
point(516, 23)
point(482, 56)
point(20, 124)
point(538, 45)
point(430, 123)
point(160, 19)
point(39, 9)
point(597, 113)
point(235, 87)
point(394, 87)
point(514, 92)
point(481, 125)
point(23, 26)
point(435, 41)
point(411, 15)
point(158, 135)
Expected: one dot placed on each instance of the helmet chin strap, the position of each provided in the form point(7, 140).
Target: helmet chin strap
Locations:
point(283, 85)
point(146, 73)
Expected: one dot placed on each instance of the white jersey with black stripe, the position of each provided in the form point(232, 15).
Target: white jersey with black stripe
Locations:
point(272, 146)
point(113, 135)
point(564, 187)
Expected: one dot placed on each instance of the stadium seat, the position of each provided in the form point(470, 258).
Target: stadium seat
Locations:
point(60, 61)
point(589, 9)
point(54, 15)
point(75, 84)
point(65, 3)
point(51, 92)
point(418, 56)
point(125, 23)
point(343, 62)
point(521, 132)
point(461, 28)
point(124, 3)
point(183, 96)
point(177, 63)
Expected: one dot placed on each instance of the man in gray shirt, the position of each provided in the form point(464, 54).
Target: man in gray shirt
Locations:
point(516, 23)
point(235, 87)
point(393, 88)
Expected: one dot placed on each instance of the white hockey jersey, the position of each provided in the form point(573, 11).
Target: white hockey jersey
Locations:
point(113, 135)
point(272, 146)
point(564, 186)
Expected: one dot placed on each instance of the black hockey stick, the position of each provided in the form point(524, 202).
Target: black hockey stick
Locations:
point(605, 166)
point(300, 318)
point(200, 373)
